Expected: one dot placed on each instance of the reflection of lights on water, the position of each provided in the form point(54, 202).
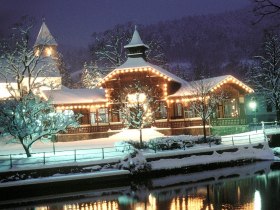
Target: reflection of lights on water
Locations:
point(193, 203)
point(99, 205)
point(151, 205)
point(257, 201)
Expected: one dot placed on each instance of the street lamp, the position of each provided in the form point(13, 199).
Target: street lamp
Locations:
point(253, 106)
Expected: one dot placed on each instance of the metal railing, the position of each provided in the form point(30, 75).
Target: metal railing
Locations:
point(65, 156)
point(235, 140)
point(82, 155)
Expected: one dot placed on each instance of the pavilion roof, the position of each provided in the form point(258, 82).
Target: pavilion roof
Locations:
point(76, 96)
point(139, 64)
point(212, 83)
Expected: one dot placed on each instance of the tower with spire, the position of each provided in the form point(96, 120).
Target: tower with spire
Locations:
point(136, 47)
point(45, 44)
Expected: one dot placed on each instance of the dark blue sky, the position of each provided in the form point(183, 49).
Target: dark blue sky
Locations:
point(73, 21)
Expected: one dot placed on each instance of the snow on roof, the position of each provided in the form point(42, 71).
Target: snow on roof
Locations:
point(136, 40)
point(141, 64)
point(44, 37)
point(41, 67)
point(75, 96)
point(213, 82)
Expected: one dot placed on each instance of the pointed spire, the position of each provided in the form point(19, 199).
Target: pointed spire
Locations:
point(44, 37)
point(136, 40)
point(136, 47)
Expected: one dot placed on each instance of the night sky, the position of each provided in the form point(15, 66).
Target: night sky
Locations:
point(73, 21)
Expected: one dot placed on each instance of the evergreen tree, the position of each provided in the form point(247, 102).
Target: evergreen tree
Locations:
point(264, 75)
point(91, 75)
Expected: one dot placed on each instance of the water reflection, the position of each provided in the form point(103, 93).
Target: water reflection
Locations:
point(250, 187)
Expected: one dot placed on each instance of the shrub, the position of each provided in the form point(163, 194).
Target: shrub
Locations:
point(135, 162)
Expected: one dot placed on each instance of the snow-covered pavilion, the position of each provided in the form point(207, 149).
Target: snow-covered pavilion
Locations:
point(99, 106)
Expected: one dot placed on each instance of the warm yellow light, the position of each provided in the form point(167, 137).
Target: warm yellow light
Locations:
point(37, 52)
point(48, 51)
point(136, 97)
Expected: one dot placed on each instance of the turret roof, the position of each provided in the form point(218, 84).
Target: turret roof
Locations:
point(45, 37)
point(136, 40)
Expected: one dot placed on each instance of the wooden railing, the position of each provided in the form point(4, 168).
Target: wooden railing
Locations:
point(94, 128)
point(178, 123)
point(228, 121)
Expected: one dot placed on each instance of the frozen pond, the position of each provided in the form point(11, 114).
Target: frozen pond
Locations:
point(254, 186)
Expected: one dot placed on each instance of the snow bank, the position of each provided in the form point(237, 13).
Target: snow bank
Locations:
point(63, 178)
point(210, 155)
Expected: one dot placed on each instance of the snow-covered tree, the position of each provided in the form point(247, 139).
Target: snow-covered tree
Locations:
point(264, 75)
point(206, 100)
point(32, 118)
point(91, 75)
point(138, 106)
point(108, 47)
point(20, 64)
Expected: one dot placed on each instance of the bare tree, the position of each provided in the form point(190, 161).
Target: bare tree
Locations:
point(22, 66)
point(138, 106)
point(264, 75)
point(108, 47)
point(206, 101)
point(264, 8)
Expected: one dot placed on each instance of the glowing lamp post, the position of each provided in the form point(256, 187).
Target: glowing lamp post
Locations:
point(253, 106)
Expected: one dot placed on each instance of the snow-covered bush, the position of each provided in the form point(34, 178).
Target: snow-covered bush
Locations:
point(137, 145)
point(180, 142)
point(172, 142)
point(135, 162)
point(123, 146)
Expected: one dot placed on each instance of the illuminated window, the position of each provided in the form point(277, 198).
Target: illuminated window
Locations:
point(178, 110)
point(136, 98)
point(163, 111)
point(48, 51)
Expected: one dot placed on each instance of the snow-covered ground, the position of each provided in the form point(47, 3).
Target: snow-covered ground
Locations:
point(124, 135)
point(98, 149)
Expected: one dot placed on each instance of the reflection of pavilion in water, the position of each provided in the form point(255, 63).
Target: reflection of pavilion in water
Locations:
point(232, 188)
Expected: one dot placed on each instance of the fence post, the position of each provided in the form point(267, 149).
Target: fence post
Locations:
point(75, 156)
point(232, 140)
point(11, 161)
point(44, 158)
point(262, 125)
point(102, 153)
point(249, 139)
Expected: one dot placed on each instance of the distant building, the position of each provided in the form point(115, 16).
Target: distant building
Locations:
point(45, 73)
